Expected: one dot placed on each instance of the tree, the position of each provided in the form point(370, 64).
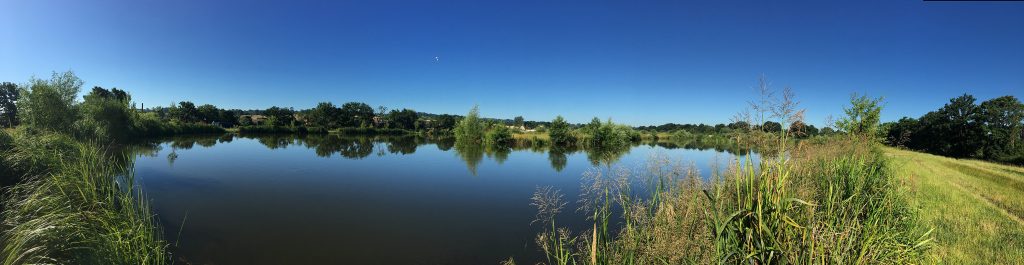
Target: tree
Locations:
point(518, 121)
point(244, 120)
point(50, 104)
point(185, 112)
point(279, 116)
point(798, 129)
point(771, 126)
point(208, 113)
point(559, 132)
point(957, 123)
point(106, 114)
point(382, 112)
point(470, 130)
point(739, 125)
point(1001, 119)
point(404, 119)
point(901, 132)
point(324, 115)
point(8, 104)
point(356, 114)
point(862, 116)
point(445, 122)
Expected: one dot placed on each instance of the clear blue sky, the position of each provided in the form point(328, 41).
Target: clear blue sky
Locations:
point(637, 62)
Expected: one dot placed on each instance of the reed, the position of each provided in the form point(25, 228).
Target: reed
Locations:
point(86, 210)
point(834, 201)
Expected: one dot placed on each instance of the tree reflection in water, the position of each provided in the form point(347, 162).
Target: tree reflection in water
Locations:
point(358, 147)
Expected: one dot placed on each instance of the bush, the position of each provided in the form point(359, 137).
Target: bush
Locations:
point(499, 135)
point(470, 130)
point(560, 134)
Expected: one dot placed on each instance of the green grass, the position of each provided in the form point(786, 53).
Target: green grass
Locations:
point(835, 202)
point(975, 207)
point(80, 208)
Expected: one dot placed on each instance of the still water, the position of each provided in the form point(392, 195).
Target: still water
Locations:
point(287, 199)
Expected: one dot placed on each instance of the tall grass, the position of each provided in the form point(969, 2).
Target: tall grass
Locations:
point(835, 202)
point(86, 210)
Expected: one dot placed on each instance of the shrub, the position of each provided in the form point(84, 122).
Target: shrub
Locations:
point(499, 135)
point(560, 134)
point(470, 129)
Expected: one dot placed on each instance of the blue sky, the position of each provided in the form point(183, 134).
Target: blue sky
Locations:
point(637, 62)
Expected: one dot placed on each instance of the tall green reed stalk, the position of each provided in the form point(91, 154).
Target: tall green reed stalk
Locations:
point(86, 210)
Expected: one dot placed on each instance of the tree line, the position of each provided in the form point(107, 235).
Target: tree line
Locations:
point(961, 128)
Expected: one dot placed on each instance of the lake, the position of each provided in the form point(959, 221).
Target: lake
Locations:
point(328, 199)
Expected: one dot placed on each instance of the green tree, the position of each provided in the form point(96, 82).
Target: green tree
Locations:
point(185, 112)
point(244, 120)
point(470, 130)
point(862, 116)
point(208, 113)
point(106, 114)
point(403, 119)
point(559, 132)
point(278, 116)
point(324, 115)
point(958, 127)
point(8, 104)
point(356, 114)
point(771, 126)
point(518, 121)
point(50, 104)
point(1002, 119)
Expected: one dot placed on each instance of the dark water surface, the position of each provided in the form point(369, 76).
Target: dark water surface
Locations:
point(365, 200)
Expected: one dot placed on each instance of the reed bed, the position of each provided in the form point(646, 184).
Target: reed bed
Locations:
point(835, 201)
point(86, 210)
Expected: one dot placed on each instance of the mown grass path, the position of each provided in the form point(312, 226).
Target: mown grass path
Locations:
point(976, 207)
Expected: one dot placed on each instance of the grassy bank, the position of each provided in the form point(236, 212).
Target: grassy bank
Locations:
point(976, 207)
point(834, 201)
point(77, 204)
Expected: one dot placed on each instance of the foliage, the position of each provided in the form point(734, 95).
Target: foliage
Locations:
point(8, 104)
point(839, 202)
point(244, 120)
point(184, 112)
point(771, 126)
point(560, 134)
point(499, 135)
point(106, 114)
point(470, 130)
point(862, 116)
point(404, 119)
point(356, 114)
point(324, 115)
point(49, 105)
point(85, 210)
point(277, 116)
point(991, 130)
point(609, 135)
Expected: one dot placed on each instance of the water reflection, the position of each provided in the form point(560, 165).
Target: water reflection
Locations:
point(358, 147)
point(283, 199)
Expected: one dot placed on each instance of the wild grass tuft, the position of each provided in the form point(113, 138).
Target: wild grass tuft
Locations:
point(85, 211)
point(834, 202)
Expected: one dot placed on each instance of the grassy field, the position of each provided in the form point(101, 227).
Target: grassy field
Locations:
point(975, 207)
